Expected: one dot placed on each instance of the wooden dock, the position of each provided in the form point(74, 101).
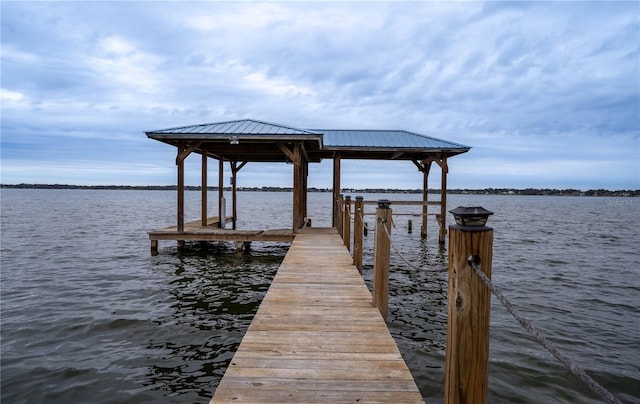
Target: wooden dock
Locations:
point(195, 231)
point(316, 336)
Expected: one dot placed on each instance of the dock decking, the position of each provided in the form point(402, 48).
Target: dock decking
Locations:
point(316, 336)
point(194, 231)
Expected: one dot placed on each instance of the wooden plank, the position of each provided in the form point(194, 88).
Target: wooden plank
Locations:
point(316, 336)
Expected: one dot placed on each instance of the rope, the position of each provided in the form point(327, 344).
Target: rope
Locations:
point(575, 369)
point(551, 347)
point(382, 223)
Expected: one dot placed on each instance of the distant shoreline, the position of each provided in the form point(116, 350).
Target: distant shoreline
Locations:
point(484, 191)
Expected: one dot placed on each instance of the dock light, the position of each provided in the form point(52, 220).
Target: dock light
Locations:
point(471, 216)
point(234, 140)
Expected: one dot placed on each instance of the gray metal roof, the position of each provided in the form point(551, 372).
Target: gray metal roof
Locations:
point(388, 139)
point(251, 140)
point(239, 127)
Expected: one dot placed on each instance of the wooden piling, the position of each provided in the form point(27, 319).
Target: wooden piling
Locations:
point(203, 188)
point(467, 350)
point(346, 222)
point(409, 226)
point(340, 211)
point(382, 249)
point(358, 232)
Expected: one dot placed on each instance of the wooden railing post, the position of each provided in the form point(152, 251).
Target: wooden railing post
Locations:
point(339, 207)
point(346, 222)
point(358, 231)
point(467, 351)
point(382, 247)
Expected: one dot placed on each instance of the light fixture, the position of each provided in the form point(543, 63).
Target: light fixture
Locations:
point(234, 140)
point(474, 217)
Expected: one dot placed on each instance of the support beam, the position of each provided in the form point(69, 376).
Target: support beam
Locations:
point(443, 200)
point(298, 187)
point(180, 163)
point(293, 155)
point(425, 198)
point(234, 193)
point(221, 210)
point(305, 186)
point(204, 186)
point(336, 190)
point(186, 151)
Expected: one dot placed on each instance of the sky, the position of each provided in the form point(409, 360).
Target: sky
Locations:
point(547, 94)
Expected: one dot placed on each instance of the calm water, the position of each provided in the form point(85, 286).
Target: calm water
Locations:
point(88, 315)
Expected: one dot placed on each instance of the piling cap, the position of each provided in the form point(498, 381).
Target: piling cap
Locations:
point(471, 216)
point(384, 203)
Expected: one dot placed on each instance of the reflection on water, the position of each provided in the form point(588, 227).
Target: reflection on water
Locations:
point(213, 290)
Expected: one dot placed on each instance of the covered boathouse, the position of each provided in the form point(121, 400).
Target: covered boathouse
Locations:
point(246, 141)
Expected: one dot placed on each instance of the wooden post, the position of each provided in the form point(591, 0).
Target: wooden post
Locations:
point(154, 247)
point(346, 222)
point(234, 193)
point(298, 188)
point(221, 210)
point(358, 231)
point(204, 186)
point(339, 208)
point(443, 202)
point(180, 162)
point(409, 226)
point(180, 224)
point(382, 249)
point(336, 192)
point(425, 198)
point(467, 351)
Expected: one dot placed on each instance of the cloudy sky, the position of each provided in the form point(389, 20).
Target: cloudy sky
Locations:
point(546, 93)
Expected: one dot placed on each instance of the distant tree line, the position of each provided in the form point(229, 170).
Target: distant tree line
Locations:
point(485, 191)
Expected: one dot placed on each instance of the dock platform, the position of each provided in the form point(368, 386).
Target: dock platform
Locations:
point(194, 231)
point(316, 336)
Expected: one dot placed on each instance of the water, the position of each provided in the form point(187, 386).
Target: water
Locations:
point(88, 315)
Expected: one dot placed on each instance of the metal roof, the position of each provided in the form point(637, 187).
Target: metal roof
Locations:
point(252, 140)
point(238, 127)
point(386, 139)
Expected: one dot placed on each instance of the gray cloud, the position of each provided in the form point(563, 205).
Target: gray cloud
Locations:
point(518, 81)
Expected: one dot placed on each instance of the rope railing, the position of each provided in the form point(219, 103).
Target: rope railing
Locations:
point(526, 324)
point(550, 346)
point(402, 257)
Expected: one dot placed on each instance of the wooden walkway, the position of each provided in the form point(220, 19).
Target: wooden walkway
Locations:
point(316, 337)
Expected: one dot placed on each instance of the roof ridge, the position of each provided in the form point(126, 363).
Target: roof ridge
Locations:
point(245, 120)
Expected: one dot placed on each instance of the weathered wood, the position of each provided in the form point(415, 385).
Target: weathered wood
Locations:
point(336, 191)
point(234, 193)
point(180, 201)
point(299, 190)
point(220, 190)
point(443, 201)
point(467, 350)
point(340, 209)
point(346, 222)
point(358, 232)
point(316, 337)
point(425, 198)
point(203, 208)
point(382, 250)
point(405, 202)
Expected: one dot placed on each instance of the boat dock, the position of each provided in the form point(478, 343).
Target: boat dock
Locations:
point(196, 231)
point(316, 336)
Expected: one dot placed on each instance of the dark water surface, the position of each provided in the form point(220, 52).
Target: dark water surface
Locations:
point(88, 315)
